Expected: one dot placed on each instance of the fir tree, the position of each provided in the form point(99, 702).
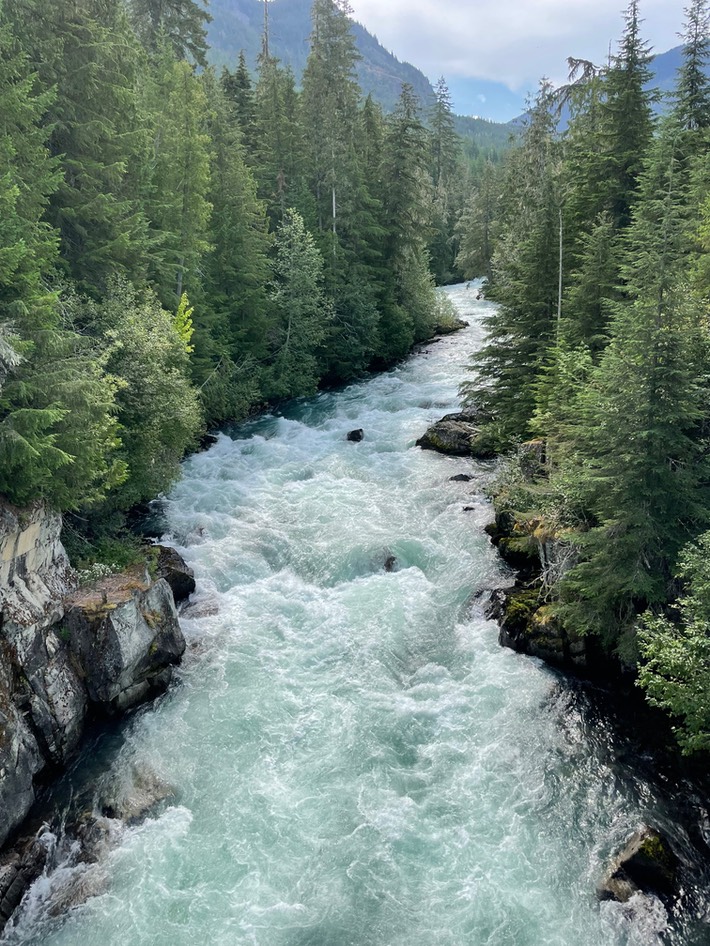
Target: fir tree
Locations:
point(182, 24)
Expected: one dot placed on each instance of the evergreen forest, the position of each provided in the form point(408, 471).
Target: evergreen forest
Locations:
point(181, 247)
point(594, 378)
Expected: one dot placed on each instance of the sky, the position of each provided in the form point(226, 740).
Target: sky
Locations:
point(514, 42)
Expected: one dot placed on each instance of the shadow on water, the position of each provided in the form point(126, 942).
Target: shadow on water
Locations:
point(621, 735)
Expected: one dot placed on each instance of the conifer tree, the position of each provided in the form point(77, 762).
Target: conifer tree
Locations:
point(237, 87)
point(692, 93)
point(524, 328)
point(304, 311)
point(237, 270)
point(177, 204)
point(88, 55)
point(330, 106)
point(181, 24)
point(627, 118)
point(643, 467)
point(476, 226)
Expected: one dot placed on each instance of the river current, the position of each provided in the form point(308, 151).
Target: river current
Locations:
point(353, 759)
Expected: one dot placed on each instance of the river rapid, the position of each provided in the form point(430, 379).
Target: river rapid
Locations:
point(354, 761)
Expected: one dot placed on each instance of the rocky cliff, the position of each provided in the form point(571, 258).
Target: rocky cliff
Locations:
point(68, 653)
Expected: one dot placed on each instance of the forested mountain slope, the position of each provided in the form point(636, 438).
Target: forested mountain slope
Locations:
point(238, 25)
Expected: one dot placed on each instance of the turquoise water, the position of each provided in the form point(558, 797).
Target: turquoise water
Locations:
point(354, 761)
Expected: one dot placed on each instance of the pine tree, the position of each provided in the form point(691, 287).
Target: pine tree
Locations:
point(692, 94)
point(87, 52)
point(181, 24)
point(445, 144)
point(524, 328)
point(237, 87)
point(476, 226)
point(330, 107)
point(627, 118)
point(236, 271)
point(278, 155)
point(177, 202)
point(644, 466)
point(304, 311)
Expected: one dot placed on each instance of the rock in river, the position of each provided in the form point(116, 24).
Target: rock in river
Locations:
point(456, 435)
point(646, 864)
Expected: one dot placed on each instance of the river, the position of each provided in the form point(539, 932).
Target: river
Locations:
point(354, 760)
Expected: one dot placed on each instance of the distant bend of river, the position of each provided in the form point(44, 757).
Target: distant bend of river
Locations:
point(354, 760)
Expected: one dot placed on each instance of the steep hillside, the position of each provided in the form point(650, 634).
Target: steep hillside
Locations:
point(238, 24)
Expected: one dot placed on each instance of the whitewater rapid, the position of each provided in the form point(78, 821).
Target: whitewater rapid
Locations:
point(353, 760)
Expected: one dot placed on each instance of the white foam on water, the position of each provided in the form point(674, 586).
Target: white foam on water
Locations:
point(356, 760)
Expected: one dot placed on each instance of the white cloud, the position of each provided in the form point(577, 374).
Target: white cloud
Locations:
point(510, 41)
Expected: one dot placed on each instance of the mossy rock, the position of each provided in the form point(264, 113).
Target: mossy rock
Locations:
point(647, 863)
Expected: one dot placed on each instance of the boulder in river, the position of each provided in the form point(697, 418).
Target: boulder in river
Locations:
point(355, 436)
point(646, 865)
point(460, 478)
point(176, 572)
point(457, 435)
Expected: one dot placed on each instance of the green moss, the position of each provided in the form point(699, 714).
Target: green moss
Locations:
point(521, 608)
point(655, 850)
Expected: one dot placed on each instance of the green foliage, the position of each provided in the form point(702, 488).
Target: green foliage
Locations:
point(157, 406)
point(305, 313)
point(179, 23)
point(675, 651)
point(182, 323)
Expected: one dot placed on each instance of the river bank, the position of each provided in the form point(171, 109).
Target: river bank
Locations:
point(350, 754)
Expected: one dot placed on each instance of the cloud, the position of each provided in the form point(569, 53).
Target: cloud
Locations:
point(510, 41)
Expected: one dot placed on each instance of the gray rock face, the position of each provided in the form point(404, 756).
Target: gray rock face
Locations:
point(18, 870)
point(646, 864)
point(53, 666)
point(176, 572)
point(34, 569)
point(20, 757)
point(42, 701)
point(127, 649)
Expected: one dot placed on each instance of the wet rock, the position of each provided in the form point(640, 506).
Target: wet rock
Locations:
point(19, 869)
point(647, 864)
point(469, 508)
point(390, 563)
point(448, 328)
point(204, 608)
point(20, 756)
point(516, 548)
point(460, 478)
point(42, 701)
point(528, 626)
point(178, 574)
point(135, 796)
point(457, 435)
point(207, 441)
point(355, 436)
point(127, 648)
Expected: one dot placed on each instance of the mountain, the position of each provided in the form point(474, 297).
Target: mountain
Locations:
point(664, 67)
point(238, 24)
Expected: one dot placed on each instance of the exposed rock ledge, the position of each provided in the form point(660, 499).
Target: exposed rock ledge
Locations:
point(67, 654)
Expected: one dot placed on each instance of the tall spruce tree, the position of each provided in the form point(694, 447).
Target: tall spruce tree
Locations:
point(236, 272)
point(181, 24)
point(177, 202)
point(523, 329)
point(644, 468)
